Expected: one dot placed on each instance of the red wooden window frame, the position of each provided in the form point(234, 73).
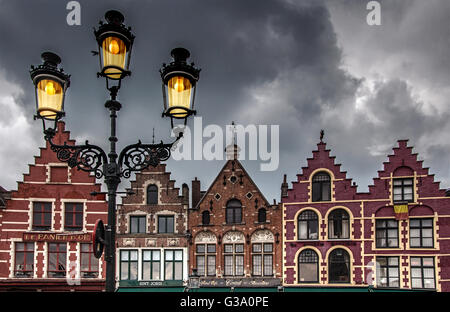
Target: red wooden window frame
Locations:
point(28, 248)
point(61, 252)
point(42, 216)
point(92, 269)
point(70, 216)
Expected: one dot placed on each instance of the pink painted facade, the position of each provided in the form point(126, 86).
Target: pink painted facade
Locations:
point(371, 247)
point(26, 250)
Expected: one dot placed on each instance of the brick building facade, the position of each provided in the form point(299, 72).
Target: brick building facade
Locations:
point(152, 233)
point(46, 225)
point(236, 232)
point(395, 236)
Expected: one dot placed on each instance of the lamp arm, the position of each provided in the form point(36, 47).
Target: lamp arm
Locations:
point(85, 157)
point(137, 157)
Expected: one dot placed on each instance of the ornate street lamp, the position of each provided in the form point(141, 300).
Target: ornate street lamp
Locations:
point(179, 80)
point(115, 41)
point(50, 84)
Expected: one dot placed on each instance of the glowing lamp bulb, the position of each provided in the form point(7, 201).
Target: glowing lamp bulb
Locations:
point(114, 47)
point(50, 88)
point(179, 85)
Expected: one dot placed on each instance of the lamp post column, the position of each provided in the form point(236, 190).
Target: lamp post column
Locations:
point(112, 180)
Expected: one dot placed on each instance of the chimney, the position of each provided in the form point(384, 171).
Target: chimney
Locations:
point(196, 194)
point(284, 187)
point(185, 192)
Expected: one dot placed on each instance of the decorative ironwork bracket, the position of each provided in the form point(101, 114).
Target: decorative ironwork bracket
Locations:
point(90, 158)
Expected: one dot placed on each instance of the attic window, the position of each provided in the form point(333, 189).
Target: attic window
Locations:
point(249, 195)
point(233, 179)
point(217, 196)
point(403, 190)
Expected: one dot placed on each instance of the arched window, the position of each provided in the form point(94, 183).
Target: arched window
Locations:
point(234, 211)
point(339, 266)
point(308, 267)
point(338, 224)
point(152, 194)
point(205, 217)
point(308, 225)
point(262, 215)
point(321, 187)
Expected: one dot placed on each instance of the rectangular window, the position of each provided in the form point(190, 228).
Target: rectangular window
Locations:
point(57, 255)
point(234, 259)
point(165, 224)
point(138, 224)
point(73, 216)
point(89, 263)
point(387, 233)
point(421, 233)
point(42, 216)
point(206, 259)
point(173, 263)
point(388, 272)
point(422, 272)
point(262, 259)
point(24, 260)
point(151, 265)
point(129, 265)
point(403, 190)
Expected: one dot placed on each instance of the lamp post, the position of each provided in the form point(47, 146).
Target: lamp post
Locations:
point(115, 42)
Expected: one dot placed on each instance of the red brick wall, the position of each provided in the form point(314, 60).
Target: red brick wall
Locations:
point(249, 224)
point(49, 180)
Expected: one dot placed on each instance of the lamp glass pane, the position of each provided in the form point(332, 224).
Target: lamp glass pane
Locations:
point(179, 91)
point(114, 53)
point(50, 98)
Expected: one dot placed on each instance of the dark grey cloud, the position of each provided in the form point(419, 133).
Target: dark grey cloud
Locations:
point(290, 63)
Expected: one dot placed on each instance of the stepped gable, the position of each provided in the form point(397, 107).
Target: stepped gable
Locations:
point(170, 194)
point(343, 188)
point(403, 162)
point(39, 171)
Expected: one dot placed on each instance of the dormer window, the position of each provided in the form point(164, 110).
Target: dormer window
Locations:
point(321, 187)
point(403, 190)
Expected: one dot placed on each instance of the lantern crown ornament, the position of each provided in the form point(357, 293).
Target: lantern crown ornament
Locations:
point(179, 80)
point(51, 84)
point(115, 42)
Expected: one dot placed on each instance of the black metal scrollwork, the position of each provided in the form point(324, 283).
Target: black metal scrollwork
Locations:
point(139, 156)
point(85, 157)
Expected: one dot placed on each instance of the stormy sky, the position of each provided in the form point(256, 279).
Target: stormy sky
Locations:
point(302, 65)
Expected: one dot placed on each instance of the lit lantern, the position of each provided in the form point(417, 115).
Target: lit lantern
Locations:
point(51, 84)
point(179, 81)
point(114, 44)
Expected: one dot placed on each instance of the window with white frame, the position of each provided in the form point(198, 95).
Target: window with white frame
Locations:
point(129, 265)
point(173, 265)
point(151, 265)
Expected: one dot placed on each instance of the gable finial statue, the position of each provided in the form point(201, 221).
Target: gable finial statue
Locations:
point(322, 133)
